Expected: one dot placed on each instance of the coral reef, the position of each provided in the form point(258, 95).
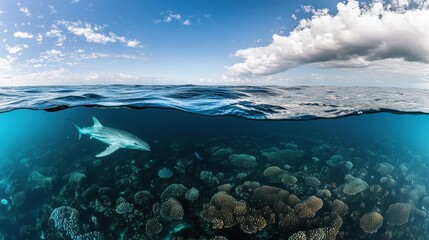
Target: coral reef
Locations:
point(172, 210)
point(398, 214)
point(354, 185)
point(245, 187)
point(371, 222)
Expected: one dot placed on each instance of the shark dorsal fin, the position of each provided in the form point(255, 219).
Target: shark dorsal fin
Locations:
point(96, 122)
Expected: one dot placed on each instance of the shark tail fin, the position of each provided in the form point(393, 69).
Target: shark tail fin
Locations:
point(78, 129)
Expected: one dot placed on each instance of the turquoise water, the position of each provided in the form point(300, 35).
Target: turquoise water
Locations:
point(252, 179)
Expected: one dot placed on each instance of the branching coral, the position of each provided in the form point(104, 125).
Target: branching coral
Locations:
point(221, 211)
point(224, 211)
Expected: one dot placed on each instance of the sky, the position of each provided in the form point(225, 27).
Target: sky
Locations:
point(224, 42)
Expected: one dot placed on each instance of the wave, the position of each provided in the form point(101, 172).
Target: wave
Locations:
point(267, 102)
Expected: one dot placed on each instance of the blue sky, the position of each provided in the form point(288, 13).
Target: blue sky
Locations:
point(285, 42)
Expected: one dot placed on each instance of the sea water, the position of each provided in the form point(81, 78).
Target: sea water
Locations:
point(273, 163)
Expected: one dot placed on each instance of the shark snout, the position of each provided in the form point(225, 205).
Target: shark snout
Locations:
point(142, 146)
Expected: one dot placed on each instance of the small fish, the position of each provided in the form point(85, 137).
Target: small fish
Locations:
point(198, 156)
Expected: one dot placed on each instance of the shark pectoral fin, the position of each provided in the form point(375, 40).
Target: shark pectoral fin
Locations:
point(110, 149)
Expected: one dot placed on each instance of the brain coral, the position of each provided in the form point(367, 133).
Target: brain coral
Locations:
point(174, 190)
point(277, 198)
point(323, 193)
point(398, 214)
point(274, 174)
point(354, 185)
point(142, 197)
point(124, 207)
point(339, 208)
point(245, 161)
point(312, 181)
point(153, 227)
point(223, 210)
point(384, 168)
point(289, 180)
point(192, 194)
point(171, 210)
point(309, 207)
point(371, 222)
point(336, 161)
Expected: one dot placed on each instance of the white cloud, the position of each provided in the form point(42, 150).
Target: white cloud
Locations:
point(132, 43)
point(39, 38)
point(25, 11)
point(6, 63)
point(124, 76)
point(187, 22)
point(92, 77)
point(89, 32)
point(170, 16)
point(55, 32)
point(17, 49)
point(307, 8)
point(92, 33)
point(355, 37)
point(24, 35)
point(52, 10)
point(75, 1)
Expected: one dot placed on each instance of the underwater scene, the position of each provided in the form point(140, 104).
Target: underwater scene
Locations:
point(119, 162)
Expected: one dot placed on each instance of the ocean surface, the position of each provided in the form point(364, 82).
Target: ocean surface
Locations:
point(213, 162)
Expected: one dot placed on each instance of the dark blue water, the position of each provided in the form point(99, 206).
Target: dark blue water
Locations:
point(245, 173)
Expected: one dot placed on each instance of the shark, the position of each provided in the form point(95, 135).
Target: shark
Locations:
point(115, 138)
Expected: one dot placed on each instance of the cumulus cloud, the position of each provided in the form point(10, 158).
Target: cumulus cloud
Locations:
point(132, 43)
point(89, 32)
point(6, 63)
point(55, 32)
point(356, 36)
point(17, 49)
point(52, 9)
point(170, 16)
point(25, 11)
point(39, 38)
point(187, 22)
point(93, 33)
point(24, 35)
